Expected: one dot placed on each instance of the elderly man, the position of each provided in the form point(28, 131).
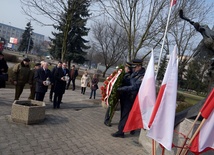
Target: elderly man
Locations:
point(42, 75)
point(20, 77)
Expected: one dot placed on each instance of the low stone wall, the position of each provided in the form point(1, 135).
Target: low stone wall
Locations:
point(23, 113)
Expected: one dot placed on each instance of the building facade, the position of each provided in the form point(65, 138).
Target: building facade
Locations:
point(13, 35)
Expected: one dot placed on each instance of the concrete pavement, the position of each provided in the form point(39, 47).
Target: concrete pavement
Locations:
point(75, 129)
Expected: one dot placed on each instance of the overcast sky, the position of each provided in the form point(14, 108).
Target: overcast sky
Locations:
point(11, 14)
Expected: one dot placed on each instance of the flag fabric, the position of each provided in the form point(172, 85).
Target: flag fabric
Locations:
point(163, 115)
point(144, 102)
point(204, 140)
point(208, 105)
point(172, 2)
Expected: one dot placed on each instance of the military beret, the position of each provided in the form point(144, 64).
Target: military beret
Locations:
point(137, 62)
point(26, 59)
point(38, 64)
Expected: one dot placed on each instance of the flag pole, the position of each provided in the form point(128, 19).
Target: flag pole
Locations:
point(153, 147)
point(184, 143)
point(167, 24)
point(196, 132)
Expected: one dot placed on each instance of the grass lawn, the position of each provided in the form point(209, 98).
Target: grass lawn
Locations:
point(191, 98)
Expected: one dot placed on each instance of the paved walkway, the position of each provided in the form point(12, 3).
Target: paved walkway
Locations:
point(75, 129)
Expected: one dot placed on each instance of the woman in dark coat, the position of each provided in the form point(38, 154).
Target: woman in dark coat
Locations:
point(3, 70)
point(94, 85)
point(60, 84)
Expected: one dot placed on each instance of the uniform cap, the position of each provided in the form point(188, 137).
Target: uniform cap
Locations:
point(137, 62)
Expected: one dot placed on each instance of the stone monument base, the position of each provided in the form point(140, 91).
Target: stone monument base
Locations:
point(28, 111)
point(178, 139)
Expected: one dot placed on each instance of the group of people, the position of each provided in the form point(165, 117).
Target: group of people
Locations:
point(40, 78)
point(134, 72)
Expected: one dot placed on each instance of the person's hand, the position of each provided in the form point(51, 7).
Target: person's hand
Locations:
point(15, 82)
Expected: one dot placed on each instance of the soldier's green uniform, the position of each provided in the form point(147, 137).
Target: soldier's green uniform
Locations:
point(21, 76)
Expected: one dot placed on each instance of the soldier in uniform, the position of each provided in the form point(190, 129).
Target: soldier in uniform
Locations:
point(128, 94)
point(20, 77)
point(32, 81)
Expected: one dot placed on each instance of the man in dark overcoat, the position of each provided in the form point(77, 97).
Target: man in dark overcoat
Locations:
point(60, 84)
point(3, 70)
point(132, 90)
point(59, 65)
point(42, 75)
point(32, 81)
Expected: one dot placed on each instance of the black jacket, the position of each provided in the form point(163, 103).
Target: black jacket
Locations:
point(40, 76)
point(135, 82)
point(60, 84)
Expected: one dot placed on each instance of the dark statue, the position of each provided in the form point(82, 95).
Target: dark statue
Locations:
point(205, 48)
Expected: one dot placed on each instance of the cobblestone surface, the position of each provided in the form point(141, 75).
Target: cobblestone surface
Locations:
point(75, 129)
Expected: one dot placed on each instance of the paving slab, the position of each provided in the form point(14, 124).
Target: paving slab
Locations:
point(75, 129)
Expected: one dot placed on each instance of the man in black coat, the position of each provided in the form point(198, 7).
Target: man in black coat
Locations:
point(132, 90)
point(3, 71)
point(60, 84)
point(59, 65)
point(42, 75)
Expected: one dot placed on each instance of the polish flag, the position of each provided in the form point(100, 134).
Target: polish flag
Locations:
point(208, 105)
point(172, 2)
point(162, 119)
point(144, 102)
point(204, 140)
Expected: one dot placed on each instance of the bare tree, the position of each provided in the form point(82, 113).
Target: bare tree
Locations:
point(110, 41)
point(139, 19)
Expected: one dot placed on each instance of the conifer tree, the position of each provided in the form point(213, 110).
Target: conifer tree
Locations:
point(27, 40)
point(69, 40)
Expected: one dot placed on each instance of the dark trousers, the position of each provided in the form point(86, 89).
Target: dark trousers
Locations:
point(73, 84)
point(107, 116)
point(18, 91)
point(32, 92)
point(125, 109)
point(93, 92)
point(57, 100)
point(40, 96)
point(83, 90)
point(51, 92)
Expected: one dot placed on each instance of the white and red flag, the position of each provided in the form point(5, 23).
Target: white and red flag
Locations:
point(162, 119)
point(144, 102)
point(204, 140)
point(172, 2)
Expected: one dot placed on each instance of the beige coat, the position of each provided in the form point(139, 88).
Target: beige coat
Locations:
point(84, 80)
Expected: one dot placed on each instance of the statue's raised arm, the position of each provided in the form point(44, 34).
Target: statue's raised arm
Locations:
point(206, 47)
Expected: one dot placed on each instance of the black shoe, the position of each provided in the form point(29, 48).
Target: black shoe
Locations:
point(89, 97)
point(107, 124)
point(117, 134)
point(132, 132)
